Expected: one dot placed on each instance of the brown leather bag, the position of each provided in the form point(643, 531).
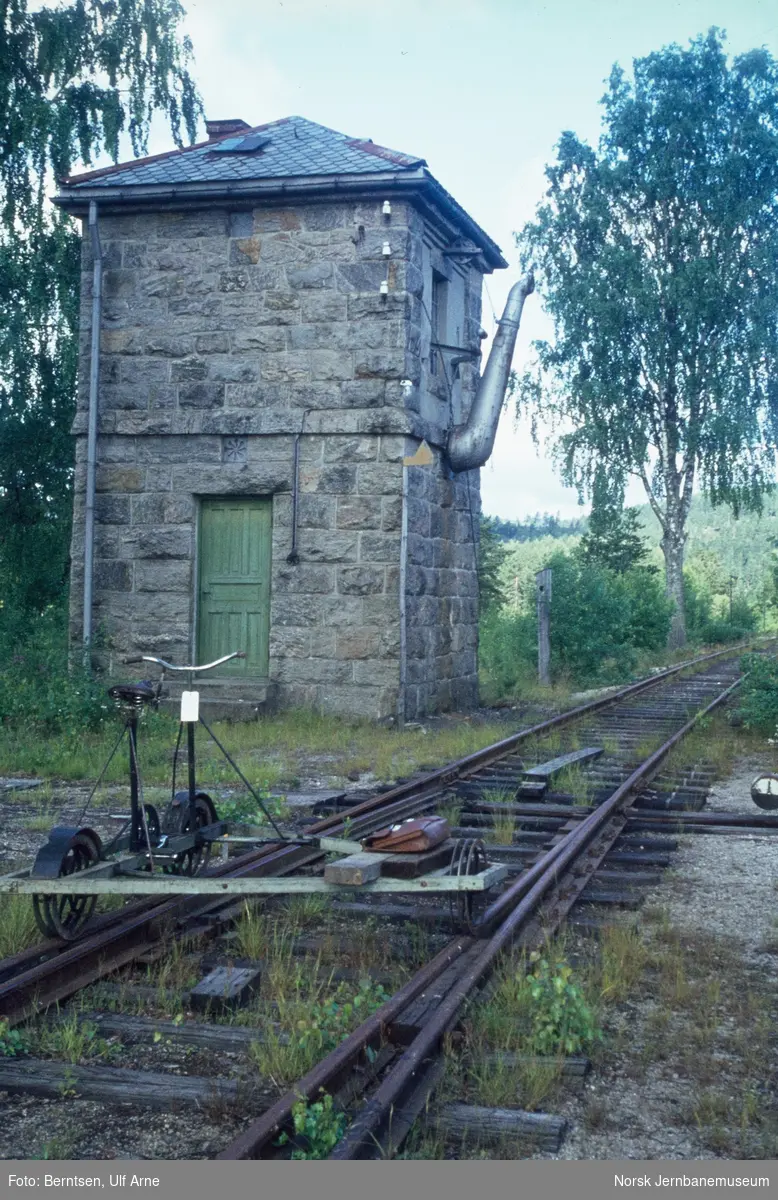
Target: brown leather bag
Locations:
point(413, 836)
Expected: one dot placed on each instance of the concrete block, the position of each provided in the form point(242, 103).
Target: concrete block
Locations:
point(291, 367)
point(158, 541)
point(327, 548)
point(112, 576)
point(263, 338)
point(358, 643)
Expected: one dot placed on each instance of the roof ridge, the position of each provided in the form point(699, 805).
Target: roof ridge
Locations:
point(149, 158)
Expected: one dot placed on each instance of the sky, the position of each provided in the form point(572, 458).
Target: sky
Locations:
point(482, 89)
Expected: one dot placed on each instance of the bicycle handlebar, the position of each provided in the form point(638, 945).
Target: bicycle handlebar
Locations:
point(170, 667)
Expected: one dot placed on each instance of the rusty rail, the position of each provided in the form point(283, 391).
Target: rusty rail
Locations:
point(508, 913)
point(44, 975)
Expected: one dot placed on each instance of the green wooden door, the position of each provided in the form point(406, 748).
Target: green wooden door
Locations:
point(234, 584)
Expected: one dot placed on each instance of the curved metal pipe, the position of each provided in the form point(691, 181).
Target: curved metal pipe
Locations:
point(470, 445)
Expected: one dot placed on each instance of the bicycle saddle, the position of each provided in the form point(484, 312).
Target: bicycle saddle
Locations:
point(133, 693)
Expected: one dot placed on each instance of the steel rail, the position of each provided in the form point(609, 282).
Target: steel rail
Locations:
point(512, 909)
point(470, 763)
point(87, 960)
point(122, 937)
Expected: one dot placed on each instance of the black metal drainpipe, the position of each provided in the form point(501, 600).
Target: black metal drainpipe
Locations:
point(293, 557)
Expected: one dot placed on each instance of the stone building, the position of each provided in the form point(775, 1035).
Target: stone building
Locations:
point(286, 316)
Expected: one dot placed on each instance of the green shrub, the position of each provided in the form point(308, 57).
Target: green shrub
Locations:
point(698, 606)
point(491, 556)
point(650, 610)
point(759, 693)
point(720, 633)
point(327, 1024)
point(600, 620)
point(39, 689)
point(318, 1128)
point(562, 1020)
point(508, 650)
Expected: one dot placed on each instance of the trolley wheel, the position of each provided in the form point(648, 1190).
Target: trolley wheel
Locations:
point(177, 821)
point(65, 915)
point(468, 858)
point(153, 825)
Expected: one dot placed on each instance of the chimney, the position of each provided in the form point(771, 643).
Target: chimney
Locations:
point(219, 129)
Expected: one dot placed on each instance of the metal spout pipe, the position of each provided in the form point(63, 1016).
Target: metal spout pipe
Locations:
point(470, 445)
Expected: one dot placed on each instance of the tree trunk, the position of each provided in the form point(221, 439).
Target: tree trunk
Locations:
point(673, 548)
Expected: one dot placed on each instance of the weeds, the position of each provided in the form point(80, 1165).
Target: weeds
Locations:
point(176, 971)
point(318, 1128)
point(268, 751)
point(251, 933)
point(622, 961)
point(73, 1040)
point(575, 781)
point(312, 1019)
point(56, 1149)
point(303, 911)
point(562, 1020)
point(18, 929)
point(451, 811)
point(503, 828)
point(12, 1041)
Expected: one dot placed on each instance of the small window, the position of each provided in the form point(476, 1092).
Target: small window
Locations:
point(438, 316)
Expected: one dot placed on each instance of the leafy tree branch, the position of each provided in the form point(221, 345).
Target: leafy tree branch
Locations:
point(657, 254)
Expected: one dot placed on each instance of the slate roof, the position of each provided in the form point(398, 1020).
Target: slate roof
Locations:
point(296, 147)
point(295, 155)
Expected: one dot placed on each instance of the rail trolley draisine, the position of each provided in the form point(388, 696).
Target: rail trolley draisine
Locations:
point(165, 854)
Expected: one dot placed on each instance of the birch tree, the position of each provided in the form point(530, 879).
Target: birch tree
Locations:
point(657, 256)
point(74, 77)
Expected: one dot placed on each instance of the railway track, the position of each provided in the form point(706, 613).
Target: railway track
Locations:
point(556, 849)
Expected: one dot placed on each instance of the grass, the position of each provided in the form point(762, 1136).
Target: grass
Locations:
point(303, 911)
point(621, 962)
point(18, 929)
point(72, 1039)
point(268, 751)
point(527, 690)
point(713, 742)
point(451, 811)
point(57, 1149)
point(504, 827)
point(173, 975)
point(251, 933)
point(503, 823)
point(309, 1015)
point(40, 822)
point(576, 782)
point(708, 1018)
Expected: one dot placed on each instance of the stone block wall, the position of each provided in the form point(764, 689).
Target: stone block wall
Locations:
point(225, 334)
point(441, 590)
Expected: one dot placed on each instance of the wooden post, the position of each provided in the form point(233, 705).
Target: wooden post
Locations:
point(543, 586)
